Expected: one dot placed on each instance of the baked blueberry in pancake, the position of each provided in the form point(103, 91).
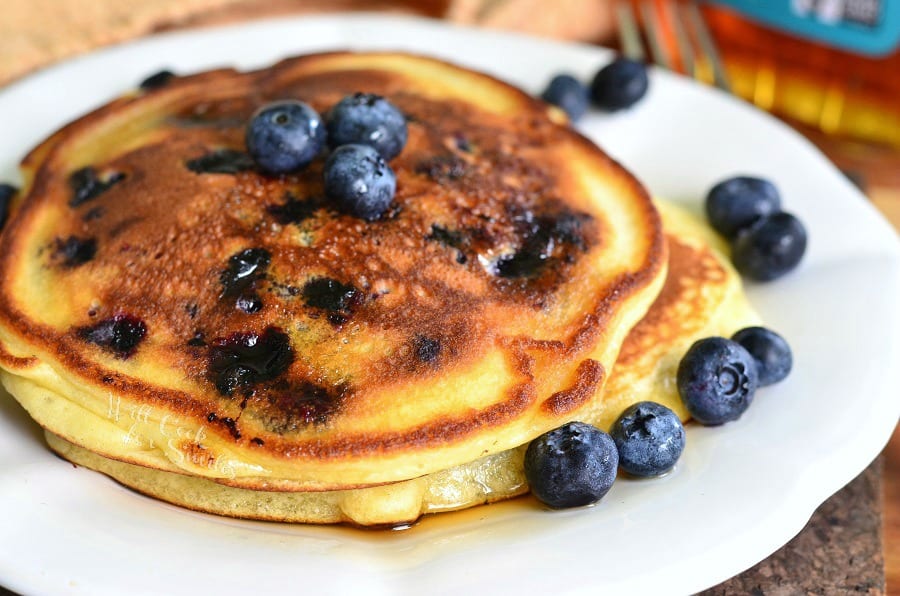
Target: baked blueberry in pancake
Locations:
point(702, 297)
point(167, 303)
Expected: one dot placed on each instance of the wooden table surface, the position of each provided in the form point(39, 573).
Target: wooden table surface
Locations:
point(843, 532)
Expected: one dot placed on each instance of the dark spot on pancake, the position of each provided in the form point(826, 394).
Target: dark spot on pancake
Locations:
point(227, 422)
point(94, 213)
point(198, 340)
point(567, 228)
point(86, 184)
point(157, 80)
point(192, 310)
point(524, 263)
point(246, 359)
point(257, 441)
point(442, 168)
point(427, 349)
point(221, 161)
point(120, 334)
point(462, 142)
point(331, 295)
point(450, 238)
point(231, 425)
point(299, 404)
point(293, 210)
point(544, 239)
point(107, 380)
point(337, 319)
point(74, 251)
point(7, 192)
point(239, 279)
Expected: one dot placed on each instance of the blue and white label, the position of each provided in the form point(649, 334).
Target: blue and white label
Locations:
point(864, 26)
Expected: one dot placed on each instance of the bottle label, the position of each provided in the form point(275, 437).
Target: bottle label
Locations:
point(864, 26)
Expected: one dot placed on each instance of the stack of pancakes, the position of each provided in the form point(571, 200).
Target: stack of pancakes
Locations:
point(227, 341)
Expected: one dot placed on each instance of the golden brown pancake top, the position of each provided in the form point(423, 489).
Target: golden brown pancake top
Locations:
point(143, 216)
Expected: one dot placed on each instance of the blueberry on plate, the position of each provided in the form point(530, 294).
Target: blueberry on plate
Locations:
point(284, 136)
point(568, 93)
point(620, 84)
point(737, 202)
point(770, 248)
point(649, 437)
point(359, 182)
point(571, 466)
point(367, 119)
point(716, 380)
point(771, 352)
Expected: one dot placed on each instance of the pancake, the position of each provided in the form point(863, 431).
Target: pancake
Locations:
point(702, 297)
point(164, 304)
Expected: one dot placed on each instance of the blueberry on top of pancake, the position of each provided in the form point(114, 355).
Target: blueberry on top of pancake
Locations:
point(506, 272)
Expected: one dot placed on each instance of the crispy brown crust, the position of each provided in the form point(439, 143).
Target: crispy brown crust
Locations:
point(446, 303)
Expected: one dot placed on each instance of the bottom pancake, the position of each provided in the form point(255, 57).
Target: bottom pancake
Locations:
point(702, 296)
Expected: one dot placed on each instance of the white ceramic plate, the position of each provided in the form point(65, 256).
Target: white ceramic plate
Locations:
point(740, 491)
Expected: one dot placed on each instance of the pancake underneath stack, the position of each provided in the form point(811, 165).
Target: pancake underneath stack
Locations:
point(379, 357)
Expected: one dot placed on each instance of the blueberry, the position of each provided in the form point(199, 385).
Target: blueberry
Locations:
point(7, 192)
point(737, 202)
point(157, 80)
point(571, 466)
point(284, 136)
point(649, 437)
point(568, 93)
point(359, 181)
point(245, 359)
point(770, 248)
point(74, 251)
point(86, 184)
point(771, 352)
point(330, 294)
point(716, 380)
point(367, 119)
point(619, 84)
point(120, 334)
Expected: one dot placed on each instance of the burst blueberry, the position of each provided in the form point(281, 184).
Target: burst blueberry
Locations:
point(568, 93)
point(619, 85)
point(367, 119)
point(649, 437)
point(716, 379)
point(735, 203)
point(245, 359)
point(285, 136)
point(770, 248)
point(769, 350)
point(571, 466)
point(119, 334)
point(359, 182)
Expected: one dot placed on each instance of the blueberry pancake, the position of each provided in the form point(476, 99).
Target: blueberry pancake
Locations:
point(702, 297)
point(166, 303)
